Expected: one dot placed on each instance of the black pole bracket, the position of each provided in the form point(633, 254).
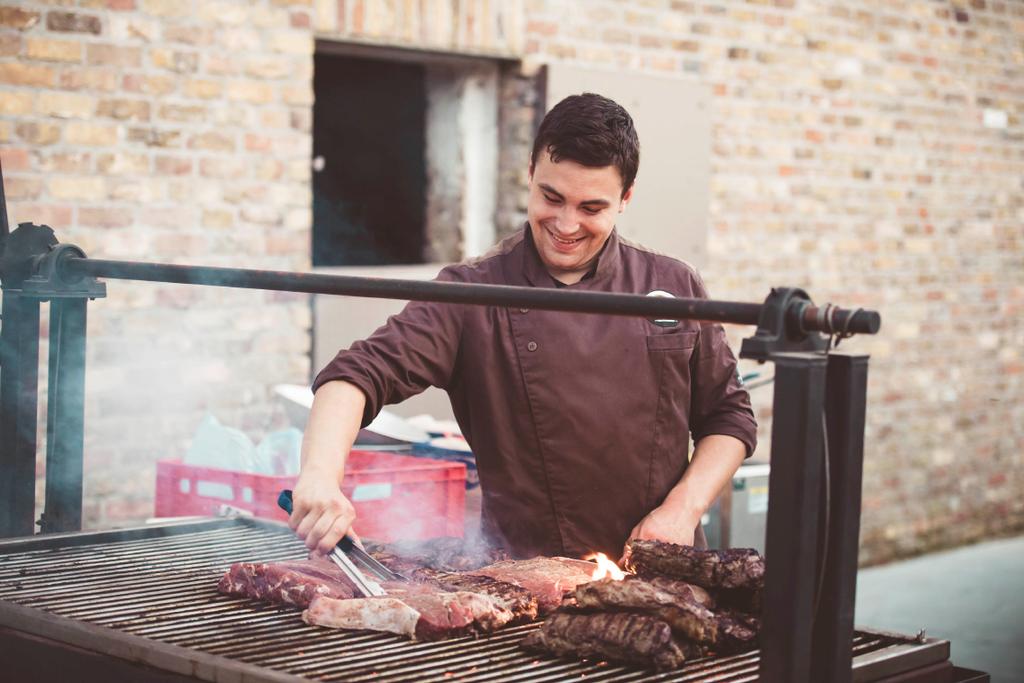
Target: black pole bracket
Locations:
point(23, 249)
point(780, 328)
point(32, 265)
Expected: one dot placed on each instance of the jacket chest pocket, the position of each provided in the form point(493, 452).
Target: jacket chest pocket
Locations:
point(676, 341)
point(669, 355)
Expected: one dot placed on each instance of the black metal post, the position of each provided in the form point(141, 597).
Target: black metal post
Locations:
point(65, 419)
point(4, 227)
point(846, 382)
point(792, 536)
point(19, 382)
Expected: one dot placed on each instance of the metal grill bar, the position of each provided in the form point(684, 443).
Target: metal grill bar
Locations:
point(613, 303)
point(163, 589)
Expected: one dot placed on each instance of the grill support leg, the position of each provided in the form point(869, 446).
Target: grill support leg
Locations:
point(847, 378)
point(792, 534)
point(65, 423)
point(19, 381)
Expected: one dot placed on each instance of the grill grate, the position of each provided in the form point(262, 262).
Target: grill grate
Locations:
point(161, 585)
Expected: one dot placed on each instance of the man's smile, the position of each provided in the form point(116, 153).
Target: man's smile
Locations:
point(562, 240)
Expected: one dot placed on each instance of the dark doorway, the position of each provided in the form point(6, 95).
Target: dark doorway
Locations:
point(369, 194)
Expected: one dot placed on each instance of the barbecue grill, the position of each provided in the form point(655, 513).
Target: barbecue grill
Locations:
point(142, 604)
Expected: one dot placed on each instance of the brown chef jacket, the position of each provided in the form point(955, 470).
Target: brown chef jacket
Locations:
point(579, 422)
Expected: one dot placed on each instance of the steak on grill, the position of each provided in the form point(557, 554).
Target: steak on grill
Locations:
point(750, 621)
point(546, 578)
point(415, 610)
point(731, 568)
point(516, 599)
point(511, 590)
point(288, 583)
point(671, 602)
point(619, 636)
point(677, 590)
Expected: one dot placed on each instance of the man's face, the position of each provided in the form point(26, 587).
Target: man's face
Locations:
point(572, 210)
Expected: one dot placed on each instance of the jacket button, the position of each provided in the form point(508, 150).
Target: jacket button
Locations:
point(532, 346)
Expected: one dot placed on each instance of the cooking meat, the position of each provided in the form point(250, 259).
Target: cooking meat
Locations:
point(750, 621)
point(446, 553)
point(289, 583)
point(414, 610)
point(666, 587)
point(671, 602)
point(682, 589)
point(519, 601)
point(619, 636)
point(547, 578)
point(435, 604)
point(297, 582)
point(731, 568)
point(634, 592)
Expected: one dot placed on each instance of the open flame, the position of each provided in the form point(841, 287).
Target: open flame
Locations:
point(605, 568)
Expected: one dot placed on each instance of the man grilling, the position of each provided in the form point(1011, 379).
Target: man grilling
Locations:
point(580, 423)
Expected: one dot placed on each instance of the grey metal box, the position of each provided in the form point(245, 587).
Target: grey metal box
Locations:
point(737, 519)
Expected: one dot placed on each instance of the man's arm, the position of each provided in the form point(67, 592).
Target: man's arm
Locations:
point(321, 514)
point(415, 349)
point(715, 459)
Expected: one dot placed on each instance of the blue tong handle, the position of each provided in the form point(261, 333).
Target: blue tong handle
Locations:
point(284, 500)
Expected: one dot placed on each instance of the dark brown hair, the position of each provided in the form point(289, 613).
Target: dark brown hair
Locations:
point(593, 131)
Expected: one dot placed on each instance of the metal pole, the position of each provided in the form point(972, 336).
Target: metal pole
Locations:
point(5, 227)
point(741, 313)
point(65, 423)
point(19, 359)
point(847, 379)
point(792, 536)
point(417, 290)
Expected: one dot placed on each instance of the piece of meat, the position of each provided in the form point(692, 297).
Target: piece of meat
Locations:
point(445, 553)
point(677, 589)
point(297, 582)
point(288, 583)
point(669, 601)
point(736, 632)
point(620, 636)
point(750, 621)
point(516, 599)
point(417, 611)
point(547, 578)
point(681, 589)
point(731, 568)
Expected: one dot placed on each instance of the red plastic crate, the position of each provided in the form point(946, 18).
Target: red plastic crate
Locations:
point(395, 496)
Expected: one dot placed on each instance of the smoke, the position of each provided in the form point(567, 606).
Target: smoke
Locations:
point(160, 358)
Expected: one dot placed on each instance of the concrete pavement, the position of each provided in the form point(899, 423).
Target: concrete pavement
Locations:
point(972, 596)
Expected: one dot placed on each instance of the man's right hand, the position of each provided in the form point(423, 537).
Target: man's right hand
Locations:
point(321, 514)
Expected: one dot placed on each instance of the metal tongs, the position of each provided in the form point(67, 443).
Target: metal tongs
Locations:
point(355, 563)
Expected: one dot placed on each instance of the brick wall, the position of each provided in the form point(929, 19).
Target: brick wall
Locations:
point(859, 151)
point(851, 157)
point(168, 131)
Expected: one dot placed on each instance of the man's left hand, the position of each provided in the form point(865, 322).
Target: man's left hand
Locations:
point(661, 524)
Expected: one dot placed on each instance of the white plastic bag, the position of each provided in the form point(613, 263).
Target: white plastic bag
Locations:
point(215, 445)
